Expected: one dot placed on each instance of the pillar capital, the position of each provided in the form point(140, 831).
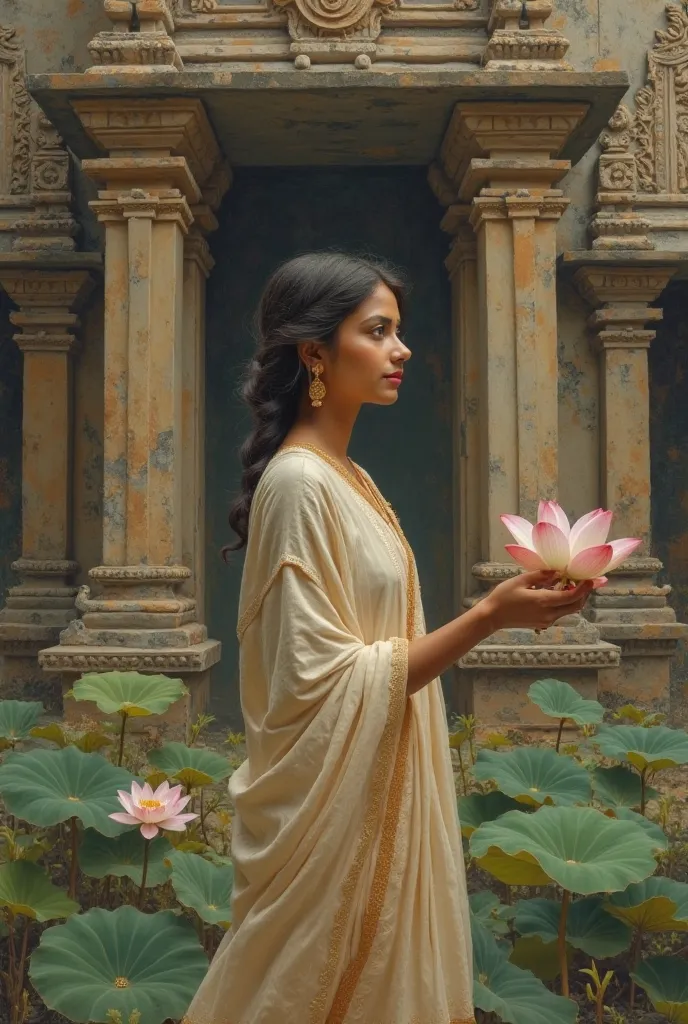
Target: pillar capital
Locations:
point(149, 48)
point(507, 145)
point(623, 285)
point(156, 144)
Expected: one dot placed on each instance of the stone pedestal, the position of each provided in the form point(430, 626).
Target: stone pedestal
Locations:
point(42, 604)
point(144, 613)
point(632, 611)
point(498, 173)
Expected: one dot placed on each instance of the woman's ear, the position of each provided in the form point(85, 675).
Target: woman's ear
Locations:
point(310, 353)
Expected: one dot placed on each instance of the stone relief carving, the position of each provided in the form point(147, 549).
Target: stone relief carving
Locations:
point(15, 113)
point(336, 19)
point(34, 180)
point(646, 150)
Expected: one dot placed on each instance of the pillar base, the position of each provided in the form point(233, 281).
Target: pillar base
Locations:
point(191, 664)
point(632, 611)
point(494, 679)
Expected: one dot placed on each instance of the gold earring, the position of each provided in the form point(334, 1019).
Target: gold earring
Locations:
point(317, 390)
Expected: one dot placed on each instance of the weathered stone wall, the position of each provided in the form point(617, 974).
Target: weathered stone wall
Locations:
point(669, 438)
point(55, 34)
point(10, 447)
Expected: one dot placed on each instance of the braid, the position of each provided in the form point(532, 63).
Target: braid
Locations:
point(306, 299)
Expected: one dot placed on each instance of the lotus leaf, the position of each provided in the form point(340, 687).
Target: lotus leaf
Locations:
point(17, 719)
point(542, 958)
point(646, 749)
point(535, 775)
point(487, 909)
point(588, 926)
point(559, 700)
point(516, 996)
point(666, 986)
point(192, 766)
point(653, 830)
point(205, 887)
point(26, 889)
point(579, 848)
point(119, 960)
point(130, 693)
point(480, 807)
point(619, 787)
point(90, 742)
point(46, 787)
point(123, 857)
point(656, 904)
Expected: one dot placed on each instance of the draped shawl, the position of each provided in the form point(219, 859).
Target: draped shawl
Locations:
point(349, 902)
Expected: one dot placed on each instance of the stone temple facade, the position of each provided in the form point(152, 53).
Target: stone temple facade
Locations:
point(526, 160)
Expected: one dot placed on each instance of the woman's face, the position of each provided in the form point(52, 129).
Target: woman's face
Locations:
point(366, 363)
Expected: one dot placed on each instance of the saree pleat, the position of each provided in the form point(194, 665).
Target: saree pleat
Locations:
point(349, 903)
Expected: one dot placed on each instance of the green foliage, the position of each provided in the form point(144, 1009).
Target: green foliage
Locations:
point(205, 887)
point(123, 856)
point(119, 960)
point(46, 787)
point(535, 775)
point(559, 700)
point(17, 719)
point(666, 985)
point(129, 693)
point(515, 995)
point(527, 817)
point(192, 766)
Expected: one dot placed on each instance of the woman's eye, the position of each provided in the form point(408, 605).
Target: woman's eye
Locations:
point(379, 331)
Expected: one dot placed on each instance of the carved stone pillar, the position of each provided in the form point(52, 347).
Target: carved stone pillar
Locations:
point(632, 611)
point(43, 602)
point(146, 616)
point(502, 159)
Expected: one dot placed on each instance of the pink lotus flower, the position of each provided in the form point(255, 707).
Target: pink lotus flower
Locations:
point(153, 810)
point(578, 552)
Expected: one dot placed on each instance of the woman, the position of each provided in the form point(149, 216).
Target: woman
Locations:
point(349, 901)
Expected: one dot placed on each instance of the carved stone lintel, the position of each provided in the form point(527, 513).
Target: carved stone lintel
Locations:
point(493, 656)
point(339, 31)
point(520, 39)
point(194, 659)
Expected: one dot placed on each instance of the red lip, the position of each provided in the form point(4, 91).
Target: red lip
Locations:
point(394, 376)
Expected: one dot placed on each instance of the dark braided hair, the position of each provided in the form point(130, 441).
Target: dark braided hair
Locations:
point(306, 299)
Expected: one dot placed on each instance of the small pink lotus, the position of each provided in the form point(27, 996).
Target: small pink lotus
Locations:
point(578, 552)
point(153, 810)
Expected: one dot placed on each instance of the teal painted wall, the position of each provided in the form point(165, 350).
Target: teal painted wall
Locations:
point(669, 447)
point(10, 448)
point(270, 215)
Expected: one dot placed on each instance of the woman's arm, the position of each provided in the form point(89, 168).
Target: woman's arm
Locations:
point(521, 602)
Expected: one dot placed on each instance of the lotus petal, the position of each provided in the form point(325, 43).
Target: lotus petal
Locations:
point(530, 560)
point(149, 831)
point(601, 581)
point(590, 531)
point(621, 550)
point(520, 529)
point(552, 512)
point(552, 545)
point(123, 818)
point(590, 562)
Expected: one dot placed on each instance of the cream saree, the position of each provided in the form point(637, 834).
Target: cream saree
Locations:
point(350, 904)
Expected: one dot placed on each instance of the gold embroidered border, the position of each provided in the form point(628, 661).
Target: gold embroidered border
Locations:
point(416, 1020)
point(396, 707)
point(255, 605)
point(383, 866)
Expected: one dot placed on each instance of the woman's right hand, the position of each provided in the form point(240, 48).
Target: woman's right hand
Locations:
point(528, 602)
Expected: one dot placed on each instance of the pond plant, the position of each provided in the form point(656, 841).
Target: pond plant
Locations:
point(116, 880)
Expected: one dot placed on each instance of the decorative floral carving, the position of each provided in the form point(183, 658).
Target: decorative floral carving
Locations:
point(17, 108)
point(537, 657)
point(204, 6)
point(336, 19)
point(466, 5)
point(660, 126)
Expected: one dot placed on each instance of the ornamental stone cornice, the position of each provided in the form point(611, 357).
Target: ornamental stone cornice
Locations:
point(528, 657)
